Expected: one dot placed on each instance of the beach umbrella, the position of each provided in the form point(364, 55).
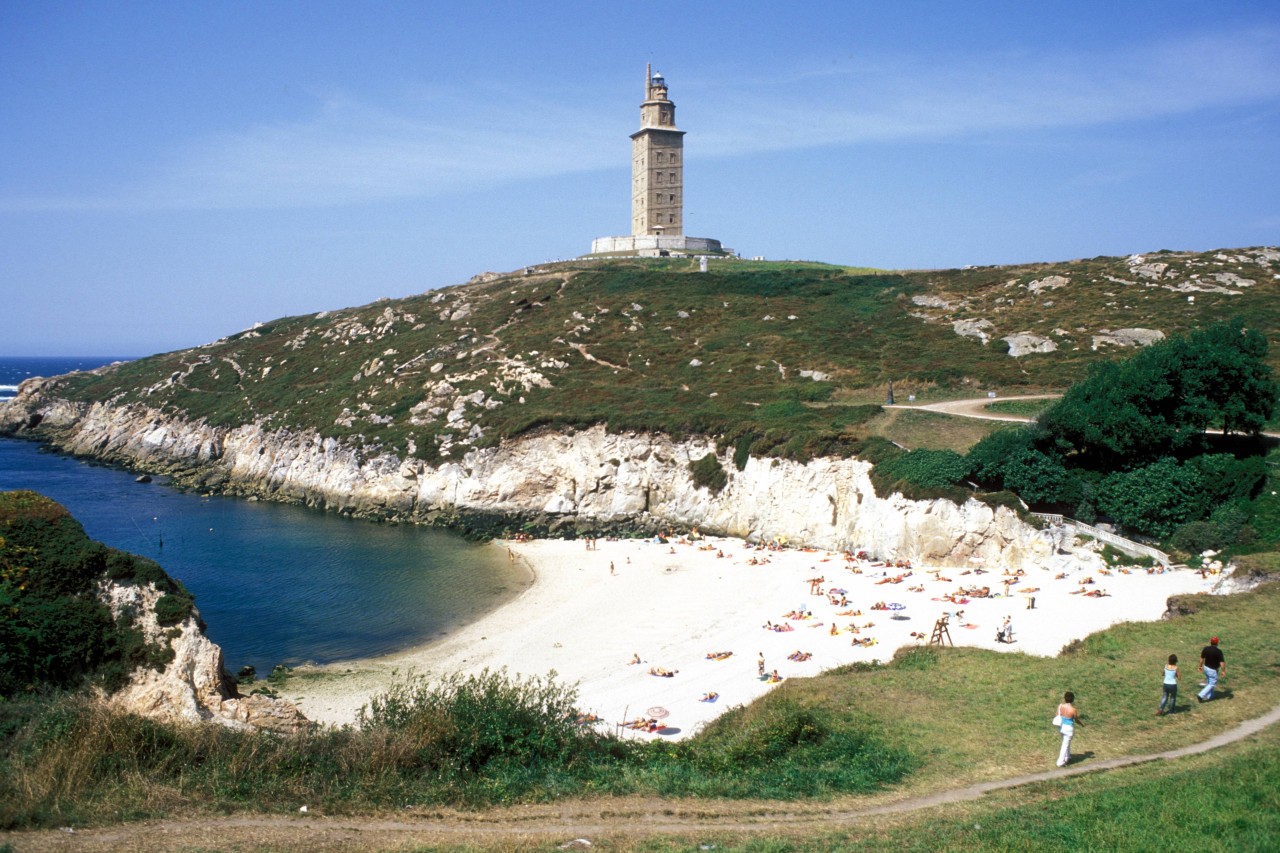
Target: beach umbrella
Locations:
point(896, 606)
point(657, 712)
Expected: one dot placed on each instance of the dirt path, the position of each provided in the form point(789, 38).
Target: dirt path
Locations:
point(542, 826)
point(977, 408)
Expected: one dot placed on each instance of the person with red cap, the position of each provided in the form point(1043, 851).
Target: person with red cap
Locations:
point(1214, 666)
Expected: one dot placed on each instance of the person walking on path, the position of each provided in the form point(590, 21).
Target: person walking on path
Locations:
point(1214, 666)
point(1067, 718)
point(1169, 693)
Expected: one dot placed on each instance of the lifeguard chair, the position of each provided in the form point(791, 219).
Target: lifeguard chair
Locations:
point(941, 632)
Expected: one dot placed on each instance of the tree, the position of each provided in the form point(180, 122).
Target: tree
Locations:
point(989, 458)
point(1159, 402)
point(1154, 499)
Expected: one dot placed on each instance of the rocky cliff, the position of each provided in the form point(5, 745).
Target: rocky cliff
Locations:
point(585, 477)
point(192, 686)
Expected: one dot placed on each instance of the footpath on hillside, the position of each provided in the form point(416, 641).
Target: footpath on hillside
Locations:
point(562, 825)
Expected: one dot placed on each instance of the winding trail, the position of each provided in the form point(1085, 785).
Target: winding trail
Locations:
point(555, 825)
point(976, 408)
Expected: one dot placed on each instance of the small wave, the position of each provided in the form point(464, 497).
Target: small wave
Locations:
point(10, 390)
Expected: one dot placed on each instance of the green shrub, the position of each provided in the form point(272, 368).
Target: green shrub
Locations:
point(1155, 499)
point(470, 723)
point(742, 449)
point(931, 469)
point(709, 474)
point(172, 608)
point(1227, 526)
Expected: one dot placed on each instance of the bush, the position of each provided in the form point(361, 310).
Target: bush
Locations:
point(930, 469)
point(989, 457)
point(467, 724)
point(1229, 525)
point(709, 474)
point(1042, 479)
point(1154, 500)
point(172, 608)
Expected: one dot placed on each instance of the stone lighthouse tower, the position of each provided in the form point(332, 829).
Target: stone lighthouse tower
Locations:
point(657, 164)
point(657, 186)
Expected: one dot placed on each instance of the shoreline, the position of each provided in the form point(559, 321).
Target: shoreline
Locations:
point(673, 604)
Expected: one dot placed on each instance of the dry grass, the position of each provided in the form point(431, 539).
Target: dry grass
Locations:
point(932, 431)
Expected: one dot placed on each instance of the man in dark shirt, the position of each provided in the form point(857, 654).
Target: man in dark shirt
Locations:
point(1214, 666)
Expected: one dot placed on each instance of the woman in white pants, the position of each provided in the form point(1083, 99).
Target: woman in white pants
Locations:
point(1067, 712)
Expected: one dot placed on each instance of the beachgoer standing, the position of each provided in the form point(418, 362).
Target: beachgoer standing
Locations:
point(1067, 711)
point(1214, 666)
point(1169, 695)
point(760, 665)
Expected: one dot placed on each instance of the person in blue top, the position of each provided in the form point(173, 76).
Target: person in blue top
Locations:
point(1169, 692)
point(1067, 711)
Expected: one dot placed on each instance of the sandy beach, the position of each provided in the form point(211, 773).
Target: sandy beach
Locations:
point(673, 604)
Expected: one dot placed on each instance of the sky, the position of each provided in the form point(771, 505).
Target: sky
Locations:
point(171, 173)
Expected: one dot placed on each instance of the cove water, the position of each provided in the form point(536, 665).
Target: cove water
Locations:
point(275, 583)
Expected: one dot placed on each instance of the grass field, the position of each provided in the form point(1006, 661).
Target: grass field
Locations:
point(930, 430)
point(1227, 800)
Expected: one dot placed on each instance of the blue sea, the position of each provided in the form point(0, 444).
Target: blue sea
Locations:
point(274, 583)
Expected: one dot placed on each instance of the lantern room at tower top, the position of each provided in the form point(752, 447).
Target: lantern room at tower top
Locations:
point(657, 185)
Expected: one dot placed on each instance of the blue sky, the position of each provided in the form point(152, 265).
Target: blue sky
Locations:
point(172, 172)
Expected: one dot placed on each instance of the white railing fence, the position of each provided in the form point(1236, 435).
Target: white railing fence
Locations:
point(1128, 546)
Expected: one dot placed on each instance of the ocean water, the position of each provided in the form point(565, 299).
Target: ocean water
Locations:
point(14, 370)
point(274, 583)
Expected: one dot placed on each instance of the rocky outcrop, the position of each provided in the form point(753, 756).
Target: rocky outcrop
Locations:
point(1127, 337)
point(589, 476)
point(192, 686)
point(1025, 343)
point(980, 329)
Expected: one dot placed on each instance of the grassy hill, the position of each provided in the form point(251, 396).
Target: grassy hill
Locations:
point(777, 358)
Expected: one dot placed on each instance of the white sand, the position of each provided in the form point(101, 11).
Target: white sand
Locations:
point(675, 608)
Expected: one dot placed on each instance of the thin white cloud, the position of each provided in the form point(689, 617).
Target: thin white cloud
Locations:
point(879, 99)
point(441, 142)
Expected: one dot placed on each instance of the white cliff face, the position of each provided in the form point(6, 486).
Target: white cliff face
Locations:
point(588, 474)
point(190, 688)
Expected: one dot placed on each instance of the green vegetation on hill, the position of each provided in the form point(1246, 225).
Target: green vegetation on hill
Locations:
point(54, 631)
point(764, 355)
point(1131, 442)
